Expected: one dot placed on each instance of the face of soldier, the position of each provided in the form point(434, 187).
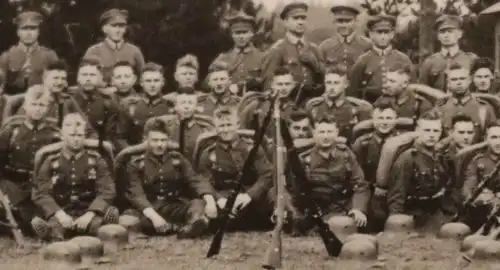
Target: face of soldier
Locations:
point(493, 139)
point(345, 25)
point(463, 133)
point(429, 131)
point(157, 142)
point(123, 78)
point(283, 85)
point(458, 81)
point(115, 31)
point(55, 80)
point(219, 81)
point(226, 127)
point(74, 137)
point(395, 83)
point(36, 109)
point(242, 38)
point(28, 35)
point(335, 85)
point(384, 121)
point(296, 24)
point(449, 36)
point(382, 38)
point(186, 76)
point(325, 134)
point(152, 83)
point(185, 105)
point(482, 79)
point(300, 129)
point(89, 77)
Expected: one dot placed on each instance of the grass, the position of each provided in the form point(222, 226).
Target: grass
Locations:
point(246, 251)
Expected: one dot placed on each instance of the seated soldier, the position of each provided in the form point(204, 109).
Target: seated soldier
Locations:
point(219, 167)
point(334, 102)
point(123, 78)
point(149, 104)
point(419, 177)
point(483, 78)
point(20, 138)
point(74, 187)
point(479, 168)
point(337, 181)
point(463, 134)
point(300, 124)
point(405, 102)
point(160, 188)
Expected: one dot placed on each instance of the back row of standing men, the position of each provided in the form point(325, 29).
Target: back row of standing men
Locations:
point(325, 80)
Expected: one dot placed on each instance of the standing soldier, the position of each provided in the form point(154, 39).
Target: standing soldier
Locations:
point(123, 79)
point(20, 138)
point(24, 63)
point(74, 187)
point(368, 74)
point(483, 77)
point(346, 45)
point(219, 81)
point(186, 75)
point(160, 188)
point(244, 60)
point(433, 69)
point(219, 166)
point(114, 48)
point(148, 104)
point(405, 102)
point(302, 57)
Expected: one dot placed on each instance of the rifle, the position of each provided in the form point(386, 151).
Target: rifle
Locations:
point(16, 231)
point(101, 133)
point(490, 220)
point(60, 112)
point(477, 191)
point(332, 243)
point(274, 252)
point(247, 166)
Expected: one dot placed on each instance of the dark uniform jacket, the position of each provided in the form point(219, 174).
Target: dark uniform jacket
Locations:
point(480, 166)
point(409, 105)
point(337, 50)
point(242, 62)
point(207, 104)
point(261, 109)
point(76, 184)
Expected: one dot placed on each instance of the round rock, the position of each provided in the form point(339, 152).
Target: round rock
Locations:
point(454, 230)
point(359, 250)
point(470, 241)
point(399, 223)
point(63, 255)
point(487, 250)
point(114, 237)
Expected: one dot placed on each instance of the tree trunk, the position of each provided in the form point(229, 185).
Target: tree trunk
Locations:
point(426, 33)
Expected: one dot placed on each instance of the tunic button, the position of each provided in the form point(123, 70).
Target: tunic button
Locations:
point(73, 175)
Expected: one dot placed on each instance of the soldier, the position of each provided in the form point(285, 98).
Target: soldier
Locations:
point(220, 164)
point(3, 97)
point(186, 71)
point(147, 105)
point(461, 101)
point(405, 102)
point(25, 62)
point(337, 181)
point(481, 166)
point(346, 45)
point(160, 183)
point(244, 60)
point(302, 57)
point(19, 141)
point(433, 69)
point(334, 102)
point(369, 71)
point(482, 76)
point(74, 187)
point(123, 78)
point(300, 124)
point(219, 81)
point(419, 178)
point(114, 48)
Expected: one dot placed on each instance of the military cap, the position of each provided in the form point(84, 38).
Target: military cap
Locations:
point(29, 18)
point(482, 62)
point(345, 8)
point(448, 22)
point(294, 8)
point(241, 21)
point(381, 22)
point(114, 16)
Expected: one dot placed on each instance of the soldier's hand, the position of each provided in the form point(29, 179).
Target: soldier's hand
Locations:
point(64, 219)
point(160, 224)
point(485, 197)
point(221, 202)
point(82, 223)
point(242, 200)
point(359, 217)
point(210, 206)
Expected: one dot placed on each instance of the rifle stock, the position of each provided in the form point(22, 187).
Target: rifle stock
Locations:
point(225, 214)
point(16, 232)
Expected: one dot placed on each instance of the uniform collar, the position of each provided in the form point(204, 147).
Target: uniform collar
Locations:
point(335, 103)
point(152, 101)
point(492, 155)
point(379, 137)
point(348, 39)
point(423, 149)
point(382, 52)
point(233, 145)
point(224, 99)
point(451, 52)
point(403, 97)
point(248, 49)
point(30, 125)
point(462, 101)
point(189, 122)
point(68, 154)
point(294, 39)
point(28, 49)
point(114, 45)
point(327, 155)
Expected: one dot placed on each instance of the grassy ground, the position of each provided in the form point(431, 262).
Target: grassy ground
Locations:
point(246, 251)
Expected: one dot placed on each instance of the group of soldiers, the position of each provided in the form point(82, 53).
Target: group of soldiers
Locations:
point(116, 143)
